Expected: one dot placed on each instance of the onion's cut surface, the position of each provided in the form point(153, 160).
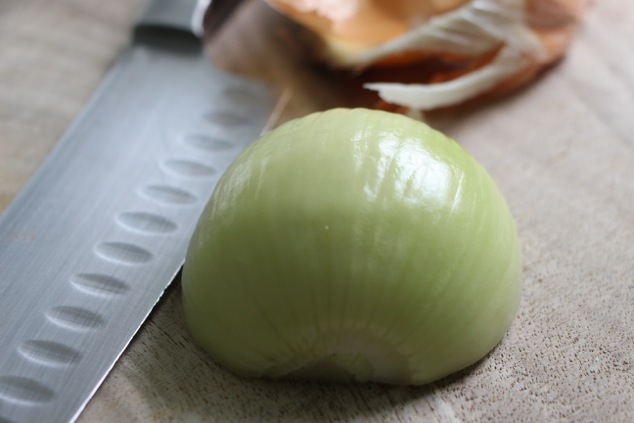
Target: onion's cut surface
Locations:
point(352, 245)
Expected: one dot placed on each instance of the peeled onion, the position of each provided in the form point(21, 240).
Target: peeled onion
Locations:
point(486, 47)
point(352, 245)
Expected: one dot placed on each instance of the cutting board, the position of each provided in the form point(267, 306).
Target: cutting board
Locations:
point(561, 150)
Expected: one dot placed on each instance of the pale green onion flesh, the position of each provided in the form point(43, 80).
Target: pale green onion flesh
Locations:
point(353, 245)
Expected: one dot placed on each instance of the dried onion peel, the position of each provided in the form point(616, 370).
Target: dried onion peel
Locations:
point(509, 40)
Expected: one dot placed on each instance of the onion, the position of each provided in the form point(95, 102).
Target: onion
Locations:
point(352, 245)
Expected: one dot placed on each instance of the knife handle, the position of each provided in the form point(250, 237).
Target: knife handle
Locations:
point(193, 17)
point(176, 15)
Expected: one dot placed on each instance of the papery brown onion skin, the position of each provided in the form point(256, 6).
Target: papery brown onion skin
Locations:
point(353, 245)
point(451, 52)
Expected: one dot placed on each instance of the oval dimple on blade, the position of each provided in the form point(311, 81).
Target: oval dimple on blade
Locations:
point(226, 119)
point(123, 253)
point(49, 352)
point(75, 318)
point(146, 223)
point(208, 143)
point(24, 390)
point(99, 284)
point(169, 195)
point(188, 168)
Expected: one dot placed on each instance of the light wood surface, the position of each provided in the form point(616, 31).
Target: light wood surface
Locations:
point(562, 151)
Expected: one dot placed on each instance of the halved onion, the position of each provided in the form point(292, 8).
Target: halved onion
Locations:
point(488, 46)
point(352, 245)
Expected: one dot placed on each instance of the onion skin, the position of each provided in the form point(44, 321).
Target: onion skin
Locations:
point(353, 245)
point(441, 53)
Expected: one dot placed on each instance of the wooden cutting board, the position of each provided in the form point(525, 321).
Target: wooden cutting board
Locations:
point(562, 151)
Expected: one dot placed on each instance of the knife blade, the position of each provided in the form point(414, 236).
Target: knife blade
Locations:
point(92, 241)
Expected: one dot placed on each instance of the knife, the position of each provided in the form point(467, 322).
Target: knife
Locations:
point(90, 244)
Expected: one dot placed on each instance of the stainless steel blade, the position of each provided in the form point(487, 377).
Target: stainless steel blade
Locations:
point(91, 243)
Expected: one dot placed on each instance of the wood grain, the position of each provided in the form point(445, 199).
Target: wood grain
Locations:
point(561, 150)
